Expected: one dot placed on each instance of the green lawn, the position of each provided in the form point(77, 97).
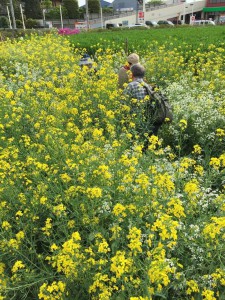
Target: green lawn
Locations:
point(138, 39)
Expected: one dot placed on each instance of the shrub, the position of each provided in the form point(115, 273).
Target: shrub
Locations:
point(31, 23)
point(19, 24)
point(4, 22)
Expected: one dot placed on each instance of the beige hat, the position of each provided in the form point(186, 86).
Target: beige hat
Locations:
point(133, 58)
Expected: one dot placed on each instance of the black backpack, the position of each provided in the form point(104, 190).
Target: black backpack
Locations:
point(157, 108)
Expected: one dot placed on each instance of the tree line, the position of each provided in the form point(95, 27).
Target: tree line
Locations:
point(33, 9)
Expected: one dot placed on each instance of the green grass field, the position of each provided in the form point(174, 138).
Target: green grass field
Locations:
point(138, 39)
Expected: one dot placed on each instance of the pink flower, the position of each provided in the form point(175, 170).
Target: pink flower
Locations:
point(67, 31)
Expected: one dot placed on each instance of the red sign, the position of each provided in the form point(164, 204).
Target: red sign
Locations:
point(141, 15)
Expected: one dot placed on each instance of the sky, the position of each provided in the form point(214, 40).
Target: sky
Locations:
point(82, 2)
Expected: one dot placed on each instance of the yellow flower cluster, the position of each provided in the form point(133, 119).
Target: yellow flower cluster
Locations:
point(68, 259)
point(135, 243)
point(53, 291)
point(214, 229)
point(160, 268)
point(120, 265)
point(17, 266)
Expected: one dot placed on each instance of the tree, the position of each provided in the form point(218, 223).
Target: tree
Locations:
point(33, 9)
point(54, 2)
point(17, 12)
point(94, 6)
point(3, 7)
point(3, 2)
point(46, 4)
point(54, 13)
point(16, 7)
point(72, 8)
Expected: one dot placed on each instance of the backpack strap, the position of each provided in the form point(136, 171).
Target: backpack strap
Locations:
point(148, 89)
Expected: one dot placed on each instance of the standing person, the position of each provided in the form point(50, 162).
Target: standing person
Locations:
point(123, 76)
point(136, 92)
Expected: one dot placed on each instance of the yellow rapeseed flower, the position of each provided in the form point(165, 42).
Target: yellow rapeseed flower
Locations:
point(18, 265)
point(208, 295)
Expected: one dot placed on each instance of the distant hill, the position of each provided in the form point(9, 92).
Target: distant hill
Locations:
point(103, 4)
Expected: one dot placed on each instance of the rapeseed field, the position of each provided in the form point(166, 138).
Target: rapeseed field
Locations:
point(84, 214)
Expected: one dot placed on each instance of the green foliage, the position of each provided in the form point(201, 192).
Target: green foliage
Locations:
point(31, 23)
point(33, 9)
point(16, 3)
point(82, 12)
point(19, 24)
point(20, 32)
point(46, 4)
point(155, 2)
point(72, 8)
point(94, 6)
point(4, 2)
point(54, 13)
point(4, 22)
point(107, 10)
point(187, 39)
point(16, 6)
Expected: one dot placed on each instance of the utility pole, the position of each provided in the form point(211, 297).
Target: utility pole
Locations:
point(60, 10)
point(143, 9)
point(139, 2)
point(87, 14)
point(102, 25)
point(10, 23)
point(21, 10)
point(13, 15)
point(137, 8)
